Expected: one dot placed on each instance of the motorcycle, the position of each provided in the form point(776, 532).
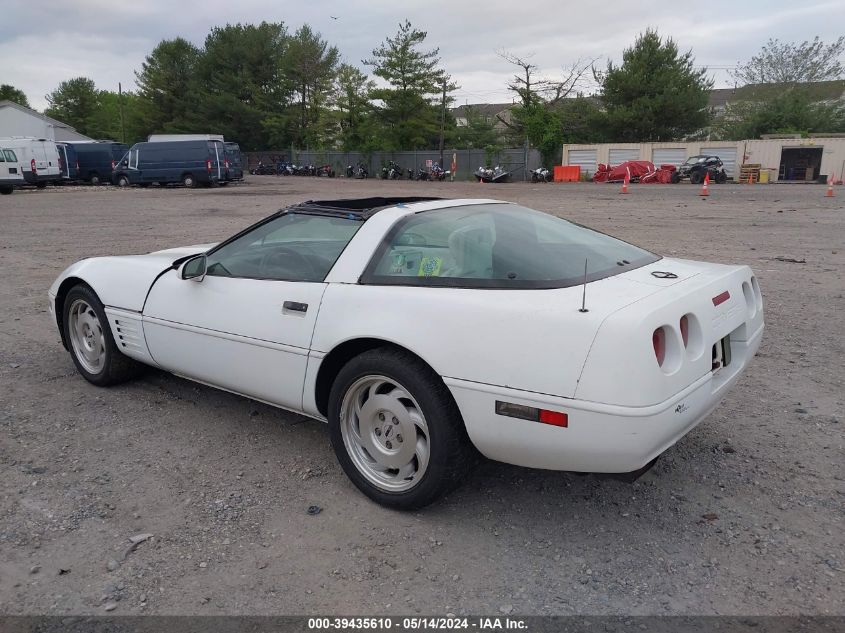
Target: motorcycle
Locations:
point(438, 173)
point(325, 170)
point(496, 174)
point(262, 170)
point(541, 174)
point(360, 171)
point(391, 172)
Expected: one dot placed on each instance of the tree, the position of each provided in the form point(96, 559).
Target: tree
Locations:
point(479, 132)
point(311, 66)
point(75, 102)
point(353, 109)
point(106, 121)
point(791, 62)
point(10, 93)
point(165, 86)
point(791, 110)
point(656, 94)
point(416, 82)
point(241, 84)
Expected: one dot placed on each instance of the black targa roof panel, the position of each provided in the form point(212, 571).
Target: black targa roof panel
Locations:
point(359, 207)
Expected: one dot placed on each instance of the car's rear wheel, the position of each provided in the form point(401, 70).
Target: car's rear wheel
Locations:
point(94, 178)
point(189, 181)
point(122, 181)
point(5, 191)
point(396, 429)
point(90, 340)
point(721, 177)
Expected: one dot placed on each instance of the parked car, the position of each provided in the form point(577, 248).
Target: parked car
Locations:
point(534, 340)
point(234, 161)
point(11, 174)
point(95, 160)
point(39, 158)
point(190, 162)
point(695, 167)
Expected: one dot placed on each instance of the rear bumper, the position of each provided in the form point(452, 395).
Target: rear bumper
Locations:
point(600, 437)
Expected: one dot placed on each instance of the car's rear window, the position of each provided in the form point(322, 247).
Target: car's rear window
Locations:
point(497, 246)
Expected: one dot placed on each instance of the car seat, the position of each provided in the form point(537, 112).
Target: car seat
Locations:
point(471, 249)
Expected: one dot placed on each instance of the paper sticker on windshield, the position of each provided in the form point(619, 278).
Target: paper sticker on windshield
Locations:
point(430, 267)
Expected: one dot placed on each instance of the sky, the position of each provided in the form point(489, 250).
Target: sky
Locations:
point(45, 42)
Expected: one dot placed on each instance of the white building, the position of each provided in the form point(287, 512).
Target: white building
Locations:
point(18, 120)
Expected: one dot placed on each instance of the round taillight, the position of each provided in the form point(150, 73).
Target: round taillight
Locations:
point(684, 325)
point(658, 340)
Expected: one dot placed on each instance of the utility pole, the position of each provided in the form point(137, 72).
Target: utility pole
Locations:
point(442, 121)
point(120, 107)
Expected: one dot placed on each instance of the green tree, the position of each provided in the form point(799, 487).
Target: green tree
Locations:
point(793, 109)
point(353, 110)
point(165, 86)
point(106, 122)
point(656, 94)
point(792, 62)
point(478, 133)
point(75, 102)
point(311, 66)
point(10, 93)
point(409, 111)
point(240, 81)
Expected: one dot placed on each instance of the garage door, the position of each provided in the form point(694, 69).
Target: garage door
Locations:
point(619, 156)
point(728, 156)
point(668, 156)
point(585, 159)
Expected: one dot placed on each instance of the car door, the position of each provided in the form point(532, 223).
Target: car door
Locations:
point(246, 326)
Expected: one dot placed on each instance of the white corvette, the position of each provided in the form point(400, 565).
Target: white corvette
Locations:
point(420, 328)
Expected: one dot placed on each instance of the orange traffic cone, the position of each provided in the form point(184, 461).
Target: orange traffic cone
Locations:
point(829, 193)
point(625, 182)
point(705, 185)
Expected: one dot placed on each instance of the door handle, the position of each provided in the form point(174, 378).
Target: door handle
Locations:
point(294, 306)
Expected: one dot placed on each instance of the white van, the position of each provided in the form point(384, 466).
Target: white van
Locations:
point(38, 157)
point(11, 174)
point(158, 138)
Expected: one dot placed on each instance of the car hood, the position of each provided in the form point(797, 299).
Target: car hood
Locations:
point(123, 281)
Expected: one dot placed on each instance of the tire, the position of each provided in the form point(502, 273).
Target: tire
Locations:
point(696, 177)
point(721, 177)
point(413, 402)
point(122, 181)
point(6, 191)
point(41, 184)
point(675, 178)
point(90, 340)
point(94, 179)
point(535, 178)
point(189, 181)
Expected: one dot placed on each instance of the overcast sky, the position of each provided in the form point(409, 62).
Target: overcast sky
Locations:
point(43, 42)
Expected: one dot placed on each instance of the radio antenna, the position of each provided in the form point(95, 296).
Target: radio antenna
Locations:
point(584, 291)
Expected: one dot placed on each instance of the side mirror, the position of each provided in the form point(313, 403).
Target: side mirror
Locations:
point(195, 268)
point(124, 163)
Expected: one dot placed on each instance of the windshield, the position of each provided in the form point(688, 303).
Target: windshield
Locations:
point(692, 160)
point(498, 246)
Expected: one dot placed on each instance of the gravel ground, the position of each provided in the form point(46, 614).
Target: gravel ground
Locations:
point(743, 516)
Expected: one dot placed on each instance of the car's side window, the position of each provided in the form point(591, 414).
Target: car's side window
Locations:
point(11, 156)
point(291, 247)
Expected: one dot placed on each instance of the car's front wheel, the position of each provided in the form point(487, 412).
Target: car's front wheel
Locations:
point(90, 340)
point(696, 177)
point(396, 429)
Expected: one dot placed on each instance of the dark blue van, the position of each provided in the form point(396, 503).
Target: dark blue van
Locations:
point(95, 160)
point(190, 162)
point(68, 161)
point(234, 161)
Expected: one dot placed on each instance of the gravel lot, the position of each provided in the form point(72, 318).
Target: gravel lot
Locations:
point(743, 516)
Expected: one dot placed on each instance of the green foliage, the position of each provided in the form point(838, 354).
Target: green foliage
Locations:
point(239, 81)
point(477, 133)
point(792, 110)
point(657, 94)
point(106, 123)
point(353, 109)
point(165, 86)
point(409, 113)
point(75, 102)
point(10, 93)
point(793, 62)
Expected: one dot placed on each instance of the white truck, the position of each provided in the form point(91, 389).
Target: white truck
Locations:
point(11, 175)
point(156, 138)
point(38, 158)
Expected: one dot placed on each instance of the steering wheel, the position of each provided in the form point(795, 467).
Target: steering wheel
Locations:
point(282, 254)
